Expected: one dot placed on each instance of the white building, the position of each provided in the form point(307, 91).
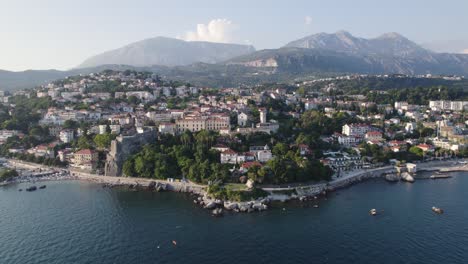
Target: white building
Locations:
point(448, 105)
point(356, 129)
point(349, 140)
point(229, 157)
point(264, 155)
point(310, 105)
point(167, 128)
point(242, 119)
point(66, 135)
point(263, 115)
point(410, 127)
point(373, 136)
point(167, 91)
point(212, 122)
point(115, 129)
point(102, 129)
point(5, 134)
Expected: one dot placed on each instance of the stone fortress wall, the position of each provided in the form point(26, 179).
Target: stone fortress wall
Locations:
point(123, 147)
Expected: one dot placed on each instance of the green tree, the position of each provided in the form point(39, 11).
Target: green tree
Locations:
point(103, 140)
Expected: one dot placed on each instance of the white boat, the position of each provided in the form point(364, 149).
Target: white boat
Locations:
point(437, 210)
point(373, 212)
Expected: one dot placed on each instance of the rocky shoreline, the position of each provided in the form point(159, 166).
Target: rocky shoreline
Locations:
point(217, 207)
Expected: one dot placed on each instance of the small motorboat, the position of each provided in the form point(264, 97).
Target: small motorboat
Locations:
point(373, 212)
point(42, 187)
point(31, 189)
point(174, 242)
point(437, 210)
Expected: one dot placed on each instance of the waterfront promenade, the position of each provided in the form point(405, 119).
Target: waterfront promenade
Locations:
point(173, 185)
point(302, 189)
point(352, 177)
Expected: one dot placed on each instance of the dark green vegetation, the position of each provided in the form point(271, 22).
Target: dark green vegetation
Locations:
point(25, 114)
point(24, 117)
point(397, 88)
point(189, 156)
point(7, 174)
point(225, 193)
point(186, 156)
point(390, 82)
point(418, 96)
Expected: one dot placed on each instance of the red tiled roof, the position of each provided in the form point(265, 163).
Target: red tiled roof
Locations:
point(249, 164)
point(85, 152)
point(229, 151)
point(424, 146)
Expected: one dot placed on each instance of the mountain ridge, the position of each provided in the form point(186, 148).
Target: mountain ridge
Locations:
point(334, 53)
point(167, 52)
point(387, 53)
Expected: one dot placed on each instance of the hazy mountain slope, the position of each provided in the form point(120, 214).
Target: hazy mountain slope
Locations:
point(10, 81)
point(342, 52)
point(389, 44)
point(27, 79)
point(319, 54)
point(299, 60)
point(168, 52)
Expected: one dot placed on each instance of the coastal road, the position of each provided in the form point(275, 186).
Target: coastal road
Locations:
point(178, 185)
point(443, 165)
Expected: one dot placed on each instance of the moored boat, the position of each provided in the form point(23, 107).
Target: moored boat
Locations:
point(31, 189)
point(437, 210)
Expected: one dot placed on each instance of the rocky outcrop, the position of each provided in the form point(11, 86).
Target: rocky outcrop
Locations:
point(217, 212)
point(393, 177)
point(245, 207)
point(210, 205)
point(407, 177)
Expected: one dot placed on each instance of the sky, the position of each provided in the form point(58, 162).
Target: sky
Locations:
point(60, 34)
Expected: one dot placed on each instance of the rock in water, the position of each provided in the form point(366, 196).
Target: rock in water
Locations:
point(392, 177)
point(407, 177)
point(210, 205)
point(217, 212)
point(230, 206)
point(151, 185)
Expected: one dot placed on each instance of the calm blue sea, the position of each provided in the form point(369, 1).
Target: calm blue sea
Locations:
point(79, 222)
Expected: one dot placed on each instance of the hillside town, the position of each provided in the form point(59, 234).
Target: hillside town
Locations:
point(101, 122)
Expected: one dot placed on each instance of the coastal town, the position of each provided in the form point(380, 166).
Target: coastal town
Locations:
point(232, 140)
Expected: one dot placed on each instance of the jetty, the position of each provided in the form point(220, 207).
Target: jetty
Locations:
point(440, 176)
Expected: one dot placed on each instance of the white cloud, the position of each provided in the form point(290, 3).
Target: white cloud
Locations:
point(217, 30)
point(308, 20)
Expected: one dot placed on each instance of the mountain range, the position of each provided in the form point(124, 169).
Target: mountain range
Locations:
point(342, 52)
point(168, 52)
point(206, 63)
